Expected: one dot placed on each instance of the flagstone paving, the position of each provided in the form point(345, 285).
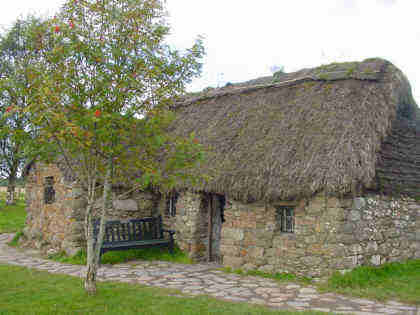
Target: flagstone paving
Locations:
point(207, 279)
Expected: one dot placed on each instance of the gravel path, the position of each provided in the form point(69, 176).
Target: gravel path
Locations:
point(206, 279)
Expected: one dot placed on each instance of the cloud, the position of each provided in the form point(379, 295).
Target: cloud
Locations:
point(387, 3)
point(345, 8)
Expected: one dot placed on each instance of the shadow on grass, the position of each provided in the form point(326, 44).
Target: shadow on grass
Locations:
point(148, 254)
point(282, 277)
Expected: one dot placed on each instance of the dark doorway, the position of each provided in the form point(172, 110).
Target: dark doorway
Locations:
point(216, 206)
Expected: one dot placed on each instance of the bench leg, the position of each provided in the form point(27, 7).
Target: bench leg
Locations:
point(100, 256)
point(171, 247)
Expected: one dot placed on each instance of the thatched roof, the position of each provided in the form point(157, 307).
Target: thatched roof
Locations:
point(292, 135)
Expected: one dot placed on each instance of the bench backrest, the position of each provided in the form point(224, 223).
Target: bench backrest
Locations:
point(132, 230)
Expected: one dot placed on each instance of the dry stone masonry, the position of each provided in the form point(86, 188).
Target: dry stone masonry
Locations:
point(330, 234)
point(59, 226)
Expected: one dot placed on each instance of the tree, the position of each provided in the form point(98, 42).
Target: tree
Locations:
point(15, 129)
point(100, 96)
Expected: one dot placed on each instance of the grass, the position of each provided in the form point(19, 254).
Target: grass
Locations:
point(12, 218)
point(148, 254)
point(392, 281)
point(38, 292)
point(281, 277)
point(15, 241)
point(396, 281)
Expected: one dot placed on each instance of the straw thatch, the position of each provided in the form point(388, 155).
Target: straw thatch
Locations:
point(337, 128)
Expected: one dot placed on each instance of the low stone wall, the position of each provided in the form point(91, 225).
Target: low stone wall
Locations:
point(330, 234)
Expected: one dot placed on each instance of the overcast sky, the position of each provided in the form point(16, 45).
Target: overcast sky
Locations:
point(245, 38)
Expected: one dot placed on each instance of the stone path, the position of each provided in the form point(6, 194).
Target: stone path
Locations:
point(206, 279)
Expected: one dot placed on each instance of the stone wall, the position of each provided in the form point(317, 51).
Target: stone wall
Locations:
point(60, 225)
point(191, 225)
point(330, 234)
point(48, 225)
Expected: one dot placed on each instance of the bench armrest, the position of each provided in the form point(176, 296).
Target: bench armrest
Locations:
point(171, 232)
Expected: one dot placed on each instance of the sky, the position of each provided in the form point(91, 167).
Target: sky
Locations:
point(245, 39)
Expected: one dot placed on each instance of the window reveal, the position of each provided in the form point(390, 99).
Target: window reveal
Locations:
point(49, 192)
point(286, 218)
point(171, 200)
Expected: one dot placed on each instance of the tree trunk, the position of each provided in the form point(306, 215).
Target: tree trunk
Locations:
point(90, 281)
point(11, 187)
point(94, 248)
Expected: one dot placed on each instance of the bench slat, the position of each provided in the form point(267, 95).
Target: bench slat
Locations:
point(134, 243)
point(135, 233)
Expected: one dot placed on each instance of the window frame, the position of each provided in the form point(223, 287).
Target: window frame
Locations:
point(285, 218)
point(171, 200)
point(49, 191)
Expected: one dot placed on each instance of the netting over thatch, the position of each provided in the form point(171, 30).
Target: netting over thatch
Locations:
point(295, 134)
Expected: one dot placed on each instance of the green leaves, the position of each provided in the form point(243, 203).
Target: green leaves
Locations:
point(101, 85)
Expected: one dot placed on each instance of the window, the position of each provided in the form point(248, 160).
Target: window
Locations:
point(171, 200)
point(49, 192)
point(286, 218)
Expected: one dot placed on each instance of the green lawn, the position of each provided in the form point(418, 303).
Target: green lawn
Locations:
point(26, 291)
point(12, 218)
point(392, 281)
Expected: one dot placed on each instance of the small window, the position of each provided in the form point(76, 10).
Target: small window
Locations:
point(49, 192)
point(286, 218)
point(171, 200)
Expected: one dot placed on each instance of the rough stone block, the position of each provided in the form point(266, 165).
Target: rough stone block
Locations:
point(371, 247)
point(249, 266)
point(311, 239)
point(267, 268)
point(311, 260)
point(316, 206)
point(229, 250)
point(391, 233)
point(346, 238)
point(125, 205)
point(356, 249)
point(394, 252)
point(263, 242)
point(270, 252)
point(347, 262)
point(354, 215)
point(375, 260)
point(233, 262)
point(256, 252)
point(77, 192)
point(234, 234)
point(347, 228)
point(359, 203)
point(79, 205)
point(333, 202)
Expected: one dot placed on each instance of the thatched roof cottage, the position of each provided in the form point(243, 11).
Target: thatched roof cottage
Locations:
point(311, 171)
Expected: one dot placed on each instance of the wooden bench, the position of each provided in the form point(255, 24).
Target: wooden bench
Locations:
point(132, 234)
